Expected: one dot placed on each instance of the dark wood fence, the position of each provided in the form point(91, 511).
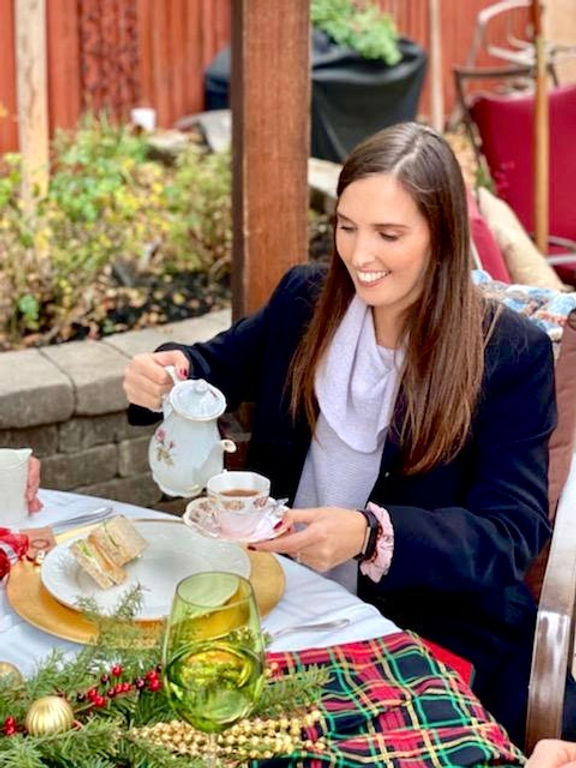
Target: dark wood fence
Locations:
point(124, 53)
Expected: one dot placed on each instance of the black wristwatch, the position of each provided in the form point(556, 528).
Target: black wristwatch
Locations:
point(373, 530)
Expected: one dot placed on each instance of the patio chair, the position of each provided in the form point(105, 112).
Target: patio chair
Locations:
point(500, 128)
point(552, 577)
point(518, 50)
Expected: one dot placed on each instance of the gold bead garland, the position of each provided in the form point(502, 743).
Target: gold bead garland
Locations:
point(50, 714)
point(247, 739)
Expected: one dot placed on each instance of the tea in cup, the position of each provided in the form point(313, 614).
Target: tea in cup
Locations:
point(240, 501)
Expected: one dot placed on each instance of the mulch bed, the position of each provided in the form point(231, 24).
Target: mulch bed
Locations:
point(153, 300)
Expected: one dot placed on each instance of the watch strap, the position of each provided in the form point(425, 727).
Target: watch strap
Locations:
point(373, 532)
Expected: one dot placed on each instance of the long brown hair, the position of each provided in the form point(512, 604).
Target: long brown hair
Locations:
point(443, 329)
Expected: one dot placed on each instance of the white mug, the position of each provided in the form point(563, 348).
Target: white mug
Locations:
point(13, 480)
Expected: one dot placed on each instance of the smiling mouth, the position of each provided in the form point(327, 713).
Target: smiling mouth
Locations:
point(366, 278)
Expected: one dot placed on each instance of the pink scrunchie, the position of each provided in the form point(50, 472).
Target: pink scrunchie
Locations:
point(379, 563)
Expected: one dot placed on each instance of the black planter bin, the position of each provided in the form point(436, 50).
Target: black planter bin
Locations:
point(352, 97)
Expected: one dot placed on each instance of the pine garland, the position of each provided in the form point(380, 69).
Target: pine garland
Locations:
point(110, 729)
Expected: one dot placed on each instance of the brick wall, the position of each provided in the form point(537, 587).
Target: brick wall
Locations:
point(66, 402)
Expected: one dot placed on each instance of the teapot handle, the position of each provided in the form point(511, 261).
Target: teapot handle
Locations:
point(166, 406)
point(228, 446)
point(171, 371)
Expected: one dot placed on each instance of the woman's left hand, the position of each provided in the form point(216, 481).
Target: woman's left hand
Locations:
point(332, 536)
point(32, 485)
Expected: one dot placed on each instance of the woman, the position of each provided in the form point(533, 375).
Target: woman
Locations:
point(388, 385)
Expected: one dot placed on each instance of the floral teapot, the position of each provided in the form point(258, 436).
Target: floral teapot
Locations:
point(186, 450)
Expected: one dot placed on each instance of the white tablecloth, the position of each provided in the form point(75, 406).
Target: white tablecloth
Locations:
point(308, 598)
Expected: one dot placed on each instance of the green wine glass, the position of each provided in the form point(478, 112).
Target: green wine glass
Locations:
point(213, 653)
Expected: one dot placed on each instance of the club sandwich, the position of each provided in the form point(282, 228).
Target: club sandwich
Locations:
point(118, 539)
point(104, 572)
point(107, 548)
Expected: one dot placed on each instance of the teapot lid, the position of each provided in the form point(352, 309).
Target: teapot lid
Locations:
point(198, 400)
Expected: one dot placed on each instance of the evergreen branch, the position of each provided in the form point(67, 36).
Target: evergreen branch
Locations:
point(292, 691)
point(141, 753)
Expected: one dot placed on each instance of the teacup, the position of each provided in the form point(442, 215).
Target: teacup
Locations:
point(239, 501)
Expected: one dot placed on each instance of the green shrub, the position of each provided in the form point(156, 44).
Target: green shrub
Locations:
point(360, 25)
point(106, 201)
point(199, 200)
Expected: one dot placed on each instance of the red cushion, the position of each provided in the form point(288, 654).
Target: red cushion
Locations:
point(566, 272)
point(488, 251)
point(506, 126)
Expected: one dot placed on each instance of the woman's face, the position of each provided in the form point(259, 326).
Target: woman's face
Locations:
point(384, 241)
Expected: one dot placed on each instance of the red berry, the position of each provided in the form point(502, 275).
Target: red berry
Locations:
point(152, 675)
point(9, 725)
point(80, 697)
point(100, 701)
point(139, 683)
point(158, 667)
point(154, 685)
point(125, 687)
point(117, 670)
point(104, 679)
point(111, 692)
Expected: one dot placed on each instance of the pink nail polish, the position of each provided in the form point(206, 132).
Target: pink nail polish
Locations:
point(183, 373)
point(278, 525)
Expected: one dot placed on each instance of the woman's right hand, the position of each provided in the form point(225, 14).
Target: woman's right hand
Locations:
point(146, 379)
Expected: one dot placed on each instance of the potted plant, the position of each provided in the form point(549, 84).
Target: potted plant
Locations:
point(364, 76)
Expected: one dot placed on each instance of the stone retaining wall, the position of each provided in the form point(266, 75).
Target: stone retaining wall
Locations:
point(66, 402)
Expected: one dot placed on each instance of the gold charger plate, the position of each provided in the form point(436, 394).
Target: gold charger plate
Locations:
point(32, 601)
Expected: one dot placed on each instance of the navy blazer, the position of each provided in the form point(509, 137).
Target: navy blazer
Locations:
point(465, 531)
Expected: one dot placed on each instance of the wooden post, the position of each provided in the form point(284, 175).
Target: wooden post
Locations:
point(541, 136)
point(30, 33)
point(436, 67)
point(270, 96)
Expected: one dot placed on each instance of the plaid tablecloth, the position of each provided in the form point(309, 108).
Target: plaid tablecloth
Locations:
point(391, 703)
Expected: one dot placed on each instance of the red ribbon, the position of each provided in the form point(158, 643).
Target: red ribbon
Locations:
point(4, 564)
point(13, 546)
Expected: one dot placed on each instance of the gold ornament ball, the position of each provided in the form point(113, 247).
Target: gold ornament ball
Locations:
point(10, 674)
point(50, 714)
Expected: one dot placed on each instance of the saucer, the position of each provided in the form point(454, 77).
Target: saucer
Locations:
point(199, 515)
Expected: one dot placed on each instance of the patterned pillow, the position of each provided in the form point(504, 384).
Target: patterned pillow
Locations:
point(546, 307)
